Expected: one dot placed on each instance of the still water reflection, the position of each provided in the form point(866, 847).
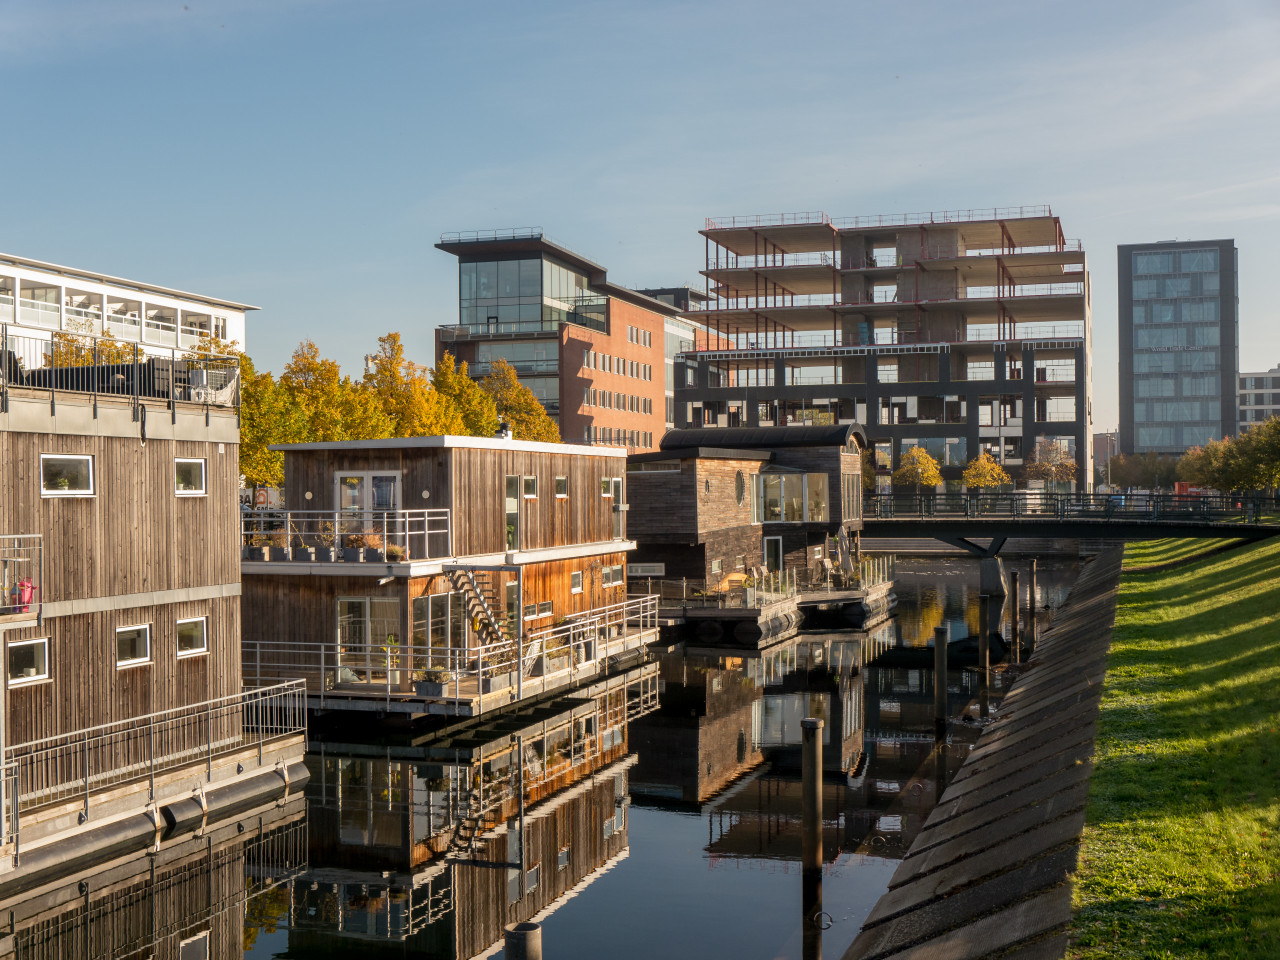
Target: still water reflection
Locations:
point(657, 813)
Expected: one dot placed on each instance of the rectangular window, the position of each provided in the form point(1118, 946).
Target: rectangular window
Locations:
point(189, 476)
point(606, 487)
point(575, 582)
point(606, 576)
point(512, 504)
point(66, 476)
point(562, 488)
point(192, 637)
point(562, 859)
point(133, 645)
point(715, 566)
point(28, 661)
point(531, 488)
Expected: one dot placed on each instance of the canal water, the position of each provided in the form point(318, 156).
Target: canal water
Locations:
point(656, 814)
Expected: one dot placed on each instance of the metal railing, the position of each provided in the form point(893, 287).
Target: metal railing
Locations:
point(1037, 504)
point(21, 576)
point(736, 592)
point(78, 764)
point(944, 216)
point(105, 366)
point(507, 233)
point(333, 536)
point(768, 220)
point(579, 646)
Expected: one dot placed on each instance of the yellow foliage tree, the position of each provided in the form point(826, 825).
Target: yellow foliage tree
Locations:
point(78, 347)
point(983, 471)
point(517, 405)
point(475, 407)
point(1050, 462)
point(917, 468)
point(404, 389)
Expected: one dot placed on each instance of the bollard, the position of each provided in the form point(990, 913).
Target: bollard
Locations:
point(1033, 628)
point(1015, 632)
point(811, 793)
point(522, 941)
point(984, 656)
point(940, 683)
point(811, 915)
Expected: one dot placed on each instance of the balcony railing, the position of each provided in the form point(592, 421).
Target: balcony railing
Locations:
point(79, 363)
point(342, 536)
point(577, 648)
point(944, 216)
point(21, 564)
point(38, 313)
point(768, 220)
point(79, 764)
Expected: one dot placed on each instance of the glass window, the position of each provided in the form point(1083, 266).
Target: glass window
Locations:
point(466, 281)
point(513, 512)
point(28, 660)
point(353, 621)
point(1199, 261)
point(190, 477)
point(792, 497)
point(1209, 284)
point(575, 581)
point(606, 487)
point(486, 281)
point(530, 279)
point(508, 279)
point(816, 498)
point(531, 488)
point(1177, 287)
point(192, 637)
point(562, 487)
point(66, 476)
point(1153, 262)
point(133, 645)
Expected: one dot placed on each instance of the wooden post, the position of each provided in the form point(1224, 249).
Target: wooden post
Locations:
point(1015, 633)
point(940, 683)
point(811, 794)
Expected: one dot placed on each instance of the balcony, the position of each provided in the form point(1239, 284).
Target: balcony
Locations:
point(360, 537)
point(21, 563)
point(523, 368)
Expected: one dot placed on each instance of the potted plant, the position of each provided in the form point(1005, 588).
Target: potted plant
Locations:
point(395, 553)
point(257, 548)
point(353, 548)
point(327, 537)
point(372, 547)
point(279, 545)
point(431, 683)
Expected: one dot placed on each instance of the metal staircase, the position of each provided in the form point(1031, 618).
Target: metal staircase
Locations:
point(478, 605)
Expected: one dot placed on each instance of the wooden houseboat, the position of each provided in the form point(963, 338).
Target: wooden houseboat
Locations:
point(716, 504)
point(123, 707)
point(441, 575)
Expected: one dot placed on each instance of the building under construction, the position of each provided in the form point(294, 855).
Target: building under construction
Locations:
point(957, 331)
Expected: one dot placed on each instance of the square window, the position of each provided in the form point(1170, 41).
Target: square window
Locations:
point(28, 661)
point(606, 487)
point(544, 608)
point(715, 566)
point(531, 488)
point(562, 487)
point(575, 582)
point(189, 475)
point(192, 637)
point(133, 645)
point(66, 476)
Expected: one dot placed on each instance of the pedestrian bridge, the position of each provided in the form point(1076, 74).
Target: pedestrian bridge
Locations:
point(959, 519)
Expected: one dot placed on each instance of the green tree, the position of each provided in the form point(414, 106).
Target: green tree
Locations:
point(983, 471)
point(516, 404)
point(917, 468)
point(869, 469)
point(473, 405)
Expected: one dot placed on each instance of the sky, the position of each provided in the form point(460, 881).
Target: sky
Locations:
point(305, 155)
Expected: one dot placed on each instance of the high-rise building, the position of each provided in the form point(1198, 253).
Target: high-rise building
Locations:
point(1179, 344)
point(959, 332)
point(595, 353)
point(1259, 397)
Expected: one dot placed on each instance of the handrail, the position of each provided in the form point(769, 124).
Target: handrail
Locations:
point(1038, 504)
point(816, 217)
point(335, 535)
point(945, 216)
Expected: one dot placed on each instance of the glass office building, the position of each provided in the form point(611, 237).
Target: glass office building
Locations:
point(1179, 345)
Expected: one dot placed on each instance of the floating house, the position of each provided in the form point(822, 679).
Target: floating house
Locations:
point(442, 575)
point(124, 713)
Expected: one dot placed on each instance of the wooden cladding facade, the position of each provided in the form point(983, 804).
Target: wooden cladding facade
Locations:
point(132, 553)
point(471, 483)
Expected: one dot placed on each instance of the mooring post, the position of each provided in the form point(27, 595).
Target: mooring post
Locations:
point(1015, 633)
point(811, 793)
point(811, 914)
point(522, 941)
point(984, 656)
point(1033, 629)
point(940, 683)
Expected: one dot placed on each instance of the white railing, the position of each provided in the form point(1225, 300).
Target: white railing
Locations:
point(77, 764)
point(944, 216)
point(190, 336)
point(768, 220)
point(122, 327)
point(37, 313)
point(160, 331)
point(329, 536)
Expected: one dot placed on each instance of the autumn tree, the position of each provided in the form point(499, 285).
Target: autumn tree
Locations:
point(1050, 462)
point(79, 347)
point(332, 407)
point(405, 392)
point(517, 406)
point(1149, 471)
point(917, 468)
point(475, 406)
point(983, 471)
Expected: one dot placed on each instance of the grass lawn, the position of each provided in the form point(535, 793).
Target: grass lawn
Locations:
point(1181, 854)
point(1148, 553)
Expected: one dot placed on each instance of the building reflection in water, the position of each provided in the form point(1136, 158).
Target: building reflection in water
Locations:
point(429, 848)
point(199, 898)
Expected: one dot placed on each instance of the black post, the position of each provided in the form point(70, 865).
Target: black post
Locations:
point(940, 683)
point(1032, 626)
point(984, 656)
point(1015, 633)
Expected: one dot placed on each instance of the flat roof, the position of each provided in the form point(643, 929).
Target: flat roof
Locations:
point(73, 273)
point(700, 453)
point(448, 441)
point(833, 435)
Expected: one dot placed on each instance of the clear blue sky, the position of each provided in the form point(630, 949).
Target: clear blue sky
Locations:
point(305, 156)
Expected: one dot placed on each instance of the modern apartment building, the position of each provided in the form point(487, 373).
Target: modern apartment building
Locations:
point(596, 354)
point(1179, 344)
point(47, 300)
point(1259, 397)
point(958, 331)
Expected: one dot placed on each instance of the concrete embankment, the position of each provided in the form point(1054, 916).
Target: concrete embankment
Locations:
point(989, 873)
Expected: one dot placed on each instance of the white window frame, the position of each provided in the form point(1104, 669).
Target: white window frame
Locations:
point(37, 678)
point(617, 576)
point(204, 477)
point(204, 635)
point(524, 488)
point(565, 495)
point(575, 575)
point(93, 480)
point(136, 662)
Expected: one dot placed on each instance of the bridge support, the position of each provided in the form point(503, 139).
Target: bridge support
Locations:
point(992, 577)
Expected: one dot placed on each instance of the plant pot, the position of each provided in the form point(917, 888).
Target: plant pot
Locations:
point(496, 681)
point(324, 554)
point(305, 554)
point(279, 553)
point(257, 554)
point(429, 689)
point(372, 556)
point(353, 554)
